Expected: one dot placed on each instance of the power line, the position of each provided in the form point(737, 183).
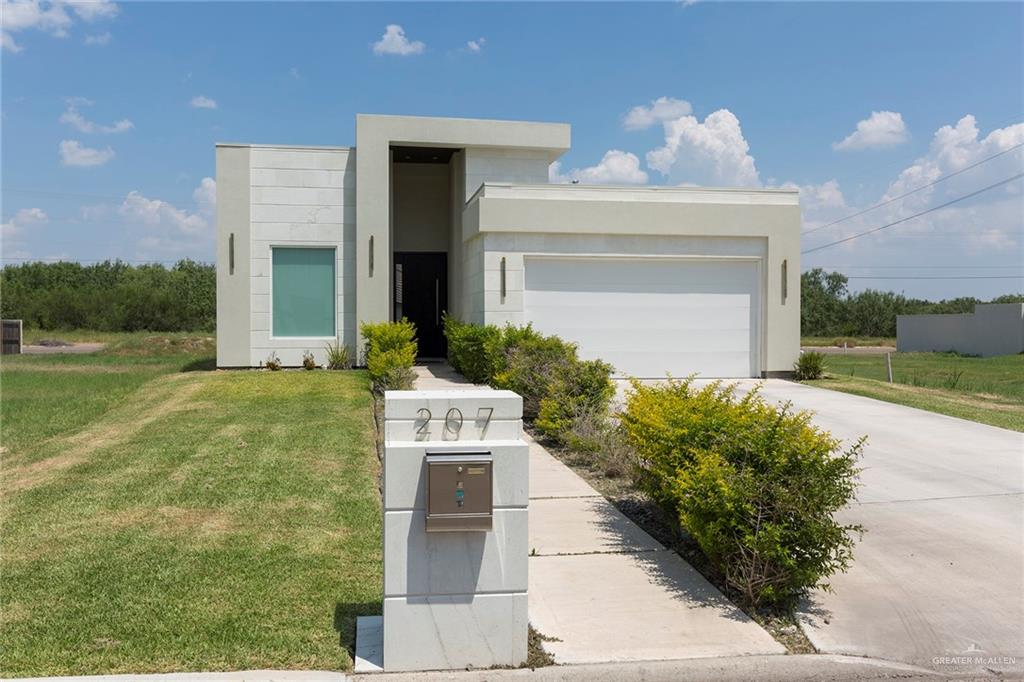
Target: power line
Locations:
point(907, 194)
point(916, 215)
point(922, 267)
point(937, 277)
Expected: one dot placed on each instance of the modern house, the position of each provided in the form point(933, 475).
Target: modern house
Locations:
point(992, 329)
point(427, 216)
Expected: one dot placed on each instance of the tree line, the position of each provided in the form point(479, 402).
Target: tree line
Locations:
point(117, 296)
point(827, 308)
point(111, 296)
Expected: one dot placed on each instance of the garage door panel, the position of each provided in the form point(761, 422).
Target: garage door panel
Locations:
point(650, 317)
point(653, 318)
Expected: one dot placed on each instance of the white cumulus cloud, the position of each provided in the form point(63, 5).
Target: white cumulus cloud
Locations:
point(394, 41)
point(660, 110)
point(203, 102)
point(73, 153)
point(615, 167)
point(74, 118)
point(48, 17)
point(165, 230)
point(983, 226)
point(881, 129)
point(476, 45)
point(23, 218)
point(712, 152)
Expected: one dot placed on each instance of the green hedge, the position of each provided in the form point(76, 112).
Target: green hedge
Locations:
point(557, 387)
point(755, 485)
point(389, 354)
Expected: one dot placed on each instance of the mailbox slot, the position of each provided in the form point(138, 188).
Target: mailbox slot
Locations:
point(459, 491)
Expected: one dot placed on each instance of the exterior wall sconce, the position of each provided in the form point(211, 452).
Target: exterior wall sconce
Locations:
point(502, 279)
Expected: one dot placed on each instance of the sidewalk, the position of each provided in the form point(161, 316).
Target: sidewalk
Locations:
point(605, 589)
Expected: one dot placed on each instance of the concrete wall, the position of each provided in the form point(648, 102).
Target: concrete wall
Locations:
point(421, 206)
point(233, 300)
point(374, 137)
point(992, 329)
point(280, 196)
point(515, 221)
point(523, 166)
point(459, 597)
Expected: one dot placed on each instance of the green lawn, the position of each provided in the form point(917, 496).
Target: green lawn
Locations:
point(986, 390)
point(157, 518)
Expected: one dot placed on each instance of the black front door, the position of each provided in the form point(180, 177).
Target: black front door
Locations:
point(421, 296)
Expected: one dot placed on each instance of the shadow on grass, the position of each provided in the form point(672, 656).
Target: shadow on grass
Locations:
point(345, 614)
point(201, 365)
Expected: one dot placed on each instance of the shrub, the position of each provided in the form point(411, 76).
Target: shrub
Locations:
point(472, 348)
point(273, 363)
point(810, 365)
point(583, 390)
point(308, 360)
point(531, 367)
point(390, 354)
point(338, 356)
point(756, 486)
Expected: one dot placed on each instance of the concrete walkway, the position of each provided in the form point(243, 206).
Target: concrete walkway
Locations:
point(605, 589)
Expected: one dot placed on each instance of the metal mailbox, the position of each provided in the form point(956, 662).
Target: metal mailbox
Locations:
point(459, 491)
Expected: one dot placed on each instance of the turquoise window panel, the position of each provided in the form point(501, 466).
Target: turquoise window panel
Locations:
point(304, 298)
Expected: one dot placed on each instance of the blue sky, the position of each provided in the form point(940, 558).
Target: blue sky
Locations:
point(110, 112)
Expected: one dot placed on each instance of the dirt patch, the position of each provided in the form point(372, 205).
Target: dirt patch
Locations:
point(172, 394)
point(67, 348)
point(981, 401)
point(77, 369)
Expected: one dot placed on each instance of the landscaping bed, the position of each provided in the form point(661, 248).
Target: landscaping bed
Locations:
point(744, 490)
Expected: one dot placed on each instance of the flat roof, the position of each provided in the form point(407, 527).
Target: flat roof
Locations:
point(306, 147)
point(642, 193)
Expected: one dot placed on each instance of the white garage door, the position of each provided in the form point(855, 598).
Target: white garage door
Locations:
point(650, 316)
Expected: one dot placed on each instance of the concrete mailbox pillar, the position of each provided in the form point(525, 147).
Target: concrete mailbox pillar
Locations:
point(456, 478)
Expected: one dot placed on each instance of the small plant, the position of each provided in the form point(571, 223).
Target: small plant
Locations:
point(810, 365)
point(338, 356)
point(953, 379)
point(308, 361)
point(273, 363)
point(390, 354)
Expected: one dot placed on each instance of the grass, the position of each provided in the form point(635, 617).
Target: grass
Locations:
point(986, 390)
point(159, 519)
point(851, 341)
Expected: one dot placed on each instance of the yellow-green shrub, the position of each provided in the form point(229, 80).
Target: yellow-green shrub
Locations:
point(756, 486)
point(390, 353)
point(582, 390)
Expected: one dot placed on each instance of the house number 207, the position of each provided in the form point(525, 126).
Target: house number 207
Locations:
point(453, 421)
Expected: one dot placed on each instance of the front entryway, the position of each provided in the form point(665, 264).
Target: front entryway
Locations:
point(421, 296)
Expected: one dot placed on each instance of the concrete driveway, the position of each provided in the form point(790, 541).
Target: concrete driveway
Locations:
point(937, 580)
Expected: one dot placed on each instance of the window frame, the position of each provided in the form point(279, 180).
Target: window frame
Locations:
point(334, 285)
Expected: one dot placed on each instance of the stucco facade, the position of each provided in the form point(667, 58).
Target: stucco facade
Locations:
point(465, 206)
point(992, 329)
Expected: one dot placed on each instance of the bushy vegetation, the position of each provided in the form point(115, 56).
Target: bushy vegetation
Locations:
point(111, 296)
point(338, 356)
point(756, 486)
point(810, 365)
point(390, 353)
point(558, 388)
point(827, 308)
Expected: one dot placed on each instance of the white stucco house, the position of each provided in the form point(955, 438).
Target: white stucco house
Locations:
point(431, 215)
